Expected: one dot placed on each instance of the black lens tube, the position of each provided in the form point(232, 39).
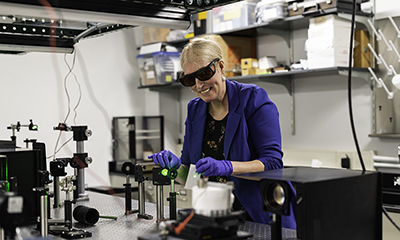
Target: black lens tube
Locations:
point(86, 215)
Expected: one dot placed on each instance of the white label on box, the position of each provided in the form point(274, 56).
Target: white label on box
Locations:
point(15, 204)
point(234, 13)
point(270, 13)
point(155, 47)
point(149, 74)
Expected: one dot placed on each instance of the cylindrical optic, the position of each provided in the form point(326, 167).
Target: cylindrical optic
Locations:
point(279, 195)
point(275, 196)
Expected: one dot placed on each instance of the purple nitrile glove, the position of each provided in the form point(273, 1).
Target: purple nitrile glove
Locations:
point(166, 159)
point(210, 167)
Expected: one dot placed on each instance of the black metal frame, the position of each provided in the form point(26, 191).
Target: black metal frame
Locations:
point(38, 33)
point(132, 138)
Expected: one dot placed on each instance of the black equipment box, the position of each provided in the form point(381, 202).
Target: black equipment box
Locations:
point(332, 203)
point(24, 165)
point(391, 191)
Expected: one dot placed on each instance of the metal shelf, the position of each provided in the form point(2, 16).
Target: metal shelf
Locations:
point(283, 78)
point(162, 87)
point(286, 79)
point(86, 18)
point(282, 27)
point(148, 131)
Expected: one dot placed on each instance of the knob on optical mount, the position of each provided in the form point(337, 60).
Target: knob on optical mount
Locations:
point(128, 168)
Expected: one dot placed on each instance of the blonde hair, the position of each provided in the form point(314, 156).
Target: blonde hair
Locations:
point(200, 51)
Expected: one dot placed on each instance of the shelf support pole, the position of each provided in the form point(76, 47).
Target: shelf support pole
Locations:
point(292, 105)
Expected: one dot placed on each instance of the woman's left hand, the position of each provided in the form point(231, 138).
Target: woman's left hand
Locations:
point(166, 159)
point(210, 167)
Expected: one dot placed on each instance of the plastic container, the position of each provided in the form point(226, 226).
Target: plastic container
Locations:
point(233, 16)
point(147, 72)
point(270, 10)
point(166, 66)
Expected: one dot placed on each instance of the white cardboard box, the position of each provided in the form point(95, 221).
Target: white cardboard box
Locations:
point(326, 62)
point(322, 43)
point(338, 32)
point(329, 21)
point(328, 52)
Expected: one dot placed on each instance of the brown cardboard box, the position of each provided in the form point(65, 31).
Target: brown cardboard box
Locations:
point(234, 49)
point(362, 54)
point(247, 63)
point(249, 71)
point(152, 34)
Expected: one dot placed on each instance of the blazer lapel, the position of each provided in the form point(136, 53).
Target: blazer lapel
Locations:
point(198, 132)
point(233, 117)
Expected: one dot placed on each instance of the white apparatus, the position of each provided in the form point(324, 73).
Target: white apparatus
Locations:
point(212, 199)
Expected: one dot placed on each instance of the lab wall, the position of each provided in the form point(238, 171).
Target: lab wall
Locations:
point(32, 87)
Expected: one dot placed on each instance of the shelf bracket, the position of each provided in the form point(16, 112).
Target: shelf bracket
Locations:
point(288, 83)
point(359, 74)
point(358, 18)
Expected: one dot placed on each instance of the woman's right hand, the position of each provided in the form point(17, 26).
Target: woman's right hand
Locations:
point(166, 159)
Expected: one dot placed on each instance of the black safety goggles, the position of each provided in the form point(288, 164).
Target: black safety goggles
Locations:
point(202, 74)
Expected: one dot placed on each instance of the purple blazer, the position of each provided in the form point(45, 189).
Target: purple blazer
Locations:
point(252, 132)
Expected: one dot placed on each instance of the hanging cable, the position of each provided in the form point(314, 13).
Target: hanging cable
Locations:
point(70, 68)
point(65, 143)
point(351, 104)
point(76, 80)
point(353, 16)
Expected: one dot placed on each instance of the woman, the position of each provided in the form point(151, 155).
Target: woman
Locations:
point(231, 128)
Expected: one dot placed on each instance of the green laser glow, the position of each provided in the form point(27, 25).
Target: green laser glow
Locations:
point(4, 173)
point(164, 172)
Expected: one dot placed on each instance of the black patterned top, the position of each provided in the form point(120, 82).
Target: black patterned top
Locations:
point(213, 141)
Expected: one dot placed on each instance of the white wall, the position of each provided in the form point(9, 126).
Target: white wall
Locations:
point(386, 8)
point(106, 68)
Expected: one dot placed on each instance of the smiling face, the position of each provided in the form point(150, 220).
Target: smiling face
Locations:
point(198, 54)
point(213, 89)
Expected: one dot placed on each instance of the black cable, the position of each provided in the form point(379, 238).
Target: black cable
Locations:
point(390, 219)
point(353, 16)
